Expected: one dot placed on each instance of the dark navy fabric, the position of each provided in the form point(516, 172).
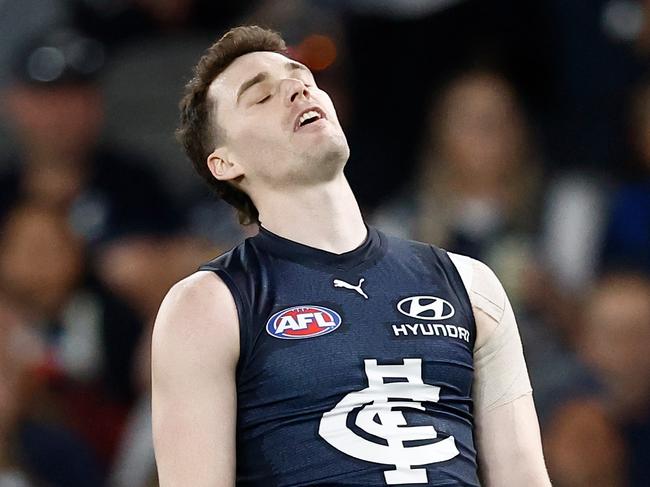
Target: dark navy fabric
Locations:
point(286, 386)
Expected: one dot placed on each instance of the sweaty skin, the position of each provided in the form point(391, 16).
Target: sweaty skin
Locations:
point(196, 342)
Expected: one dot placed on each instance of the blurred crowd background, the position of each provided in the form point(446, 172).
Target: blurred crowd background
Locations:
point(514, 132)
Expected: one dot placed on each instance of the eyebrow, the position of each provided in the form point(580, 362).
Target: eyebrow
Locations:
point(292, 65)
point(259, 77)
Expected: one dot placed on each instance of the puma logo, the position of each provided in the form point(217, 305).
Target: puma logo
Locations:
point(347, 285)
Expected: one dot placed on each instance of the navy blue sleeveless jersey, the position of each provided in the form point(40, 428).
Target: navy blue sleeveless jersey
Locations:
point(354, 369)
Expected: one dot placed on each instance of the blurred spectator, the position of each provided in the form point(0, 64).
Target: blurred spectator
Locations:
point(57, 114)
point(114, 202)
point(42, 270)
point(477, 188)
point(627, 237)
point(64, 198)
point(400, 54)
point(583, 447)
point(615, 340)
point(599, 222)
point(56, 110)
point(86, 339)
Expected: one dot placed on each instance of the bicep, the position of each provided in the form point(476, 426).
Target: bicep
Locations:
point(194, 354)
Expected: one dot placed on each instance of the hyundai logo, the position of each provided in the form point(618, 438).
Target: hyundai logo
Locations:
point(426, 308)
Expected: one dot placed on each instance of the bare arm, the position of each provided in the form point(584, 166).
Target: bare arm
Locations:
point(194, 354)
point(509, 445)
point(507, 430)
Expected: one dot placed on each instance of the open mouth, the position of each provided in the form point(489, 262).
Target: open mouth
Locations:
point(310, 115)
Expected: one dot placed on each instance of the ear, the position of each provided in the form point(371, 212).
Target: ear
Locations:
point(223, 167)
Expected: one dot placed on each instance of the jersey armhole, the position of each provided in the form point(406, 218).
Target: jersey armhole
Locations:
point(241, 318)
point(465, 268)
point(461, 281)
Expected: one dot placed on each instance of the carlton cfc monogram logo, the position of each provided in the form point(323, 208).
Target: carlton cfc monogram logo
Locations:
point(377, 416)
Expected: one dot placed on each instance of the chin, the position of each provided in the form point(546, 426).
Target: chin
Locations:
point(329, 156)
point(337, 148)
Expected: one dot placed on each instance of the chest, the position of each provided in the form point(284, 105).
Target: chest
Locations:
point(321, 328)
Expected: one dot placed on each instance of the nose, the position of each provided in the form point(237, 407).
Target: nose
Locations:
point(294, 90)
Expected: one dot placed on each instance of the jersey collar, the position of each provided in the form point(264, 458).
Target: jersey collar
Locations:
point(305, 254)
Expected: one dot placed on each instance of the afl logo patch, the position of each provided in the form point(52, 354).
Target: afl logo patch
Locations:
point(300, 322)
point(426, 308)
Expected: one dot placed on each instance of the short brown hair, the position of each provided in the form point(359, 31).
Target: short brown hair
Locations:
point(198, 131)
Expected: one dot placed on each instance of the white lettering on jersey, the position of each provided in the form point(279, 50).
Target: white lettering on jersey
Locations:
point(287, 323)
point(302, 321)
point(429, 329)
point(378, 417)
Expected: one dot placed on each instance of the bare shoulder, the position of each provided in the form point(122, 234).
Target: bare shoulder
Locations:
point(202, 287)
point(199, 315)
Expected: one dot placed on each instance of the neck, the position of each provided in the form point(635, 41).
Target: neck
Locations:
point(326, 217)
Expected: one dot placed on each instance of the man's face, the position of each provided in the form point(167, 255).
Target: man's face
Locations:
point(279, 126)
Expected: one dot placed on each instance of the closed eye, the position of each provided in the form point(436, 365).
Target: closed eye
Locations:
point(264, 100)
